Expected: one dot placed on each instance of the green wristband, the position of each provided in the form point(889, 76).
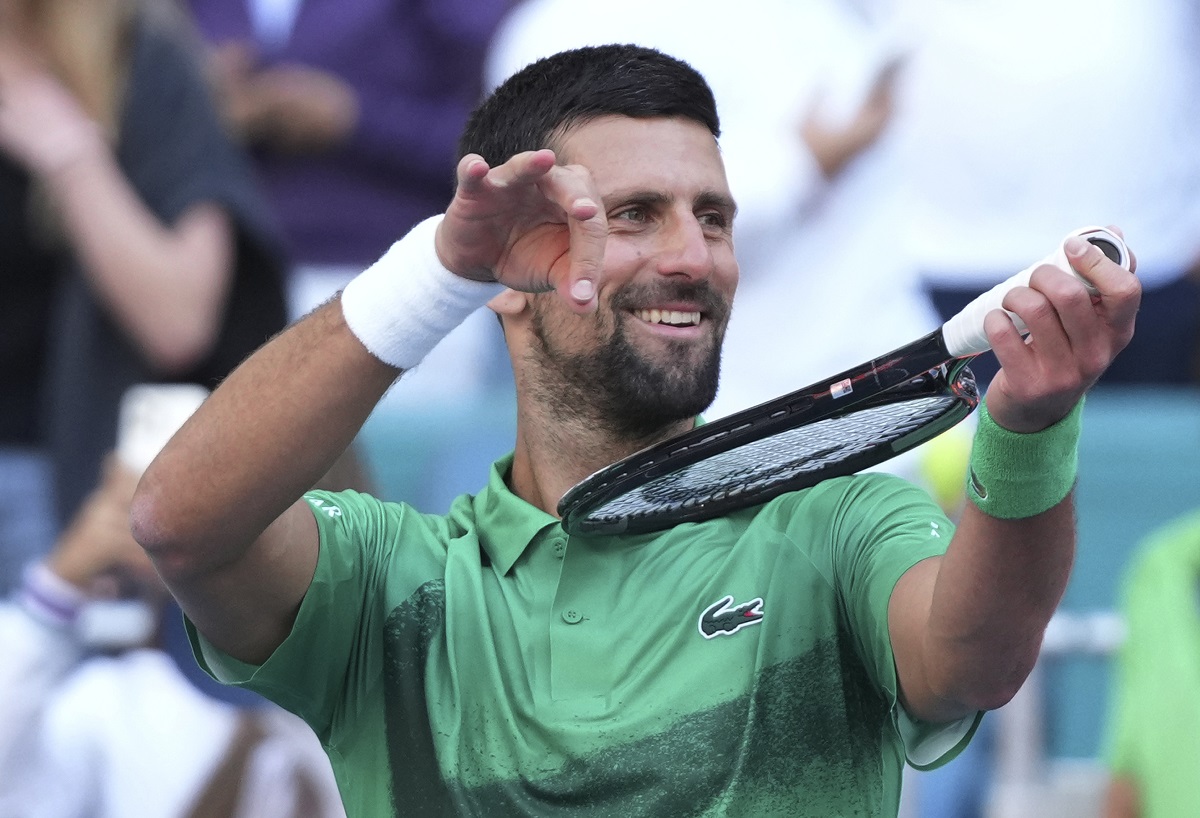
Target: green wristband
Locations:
point(1014, 475)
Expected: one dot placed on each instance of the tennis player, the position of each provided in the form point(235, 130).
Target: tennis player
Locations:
point(787, 659)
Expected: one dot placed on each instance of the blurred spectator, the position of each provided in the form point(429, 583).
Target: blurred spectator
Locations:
point(1014, 126)
point(96, 720)
point(352, 110)
point(130, 226)
point(804, 91)
point(1154, 725)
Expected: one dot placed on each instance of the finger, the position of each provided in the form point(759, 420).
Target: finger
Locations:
point(588, 239)
point(1039, 383)
point(470, 173)
point(1006, 341)
point(572, 189)
point(1043, 306)
point(1119, 289)
point(525, 168)
point(1077, 313)
point(1132, 256)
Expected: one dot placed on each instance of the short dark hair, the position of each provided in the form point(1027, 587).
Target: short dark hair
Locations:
point(542, 100)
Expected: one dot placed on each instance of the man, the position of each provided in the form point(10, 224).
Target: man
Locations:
point(486, 663)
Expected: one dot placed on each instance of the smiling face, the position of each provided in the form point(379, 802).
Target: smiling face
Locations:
point(650, 354)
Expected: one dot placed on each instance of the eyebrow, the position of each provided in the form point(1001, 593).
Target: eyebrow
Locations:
point(650, 198)
point(719, 201)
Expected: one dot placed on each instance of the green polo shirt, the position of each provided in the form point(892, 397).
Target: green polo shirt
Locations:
point(485, 663)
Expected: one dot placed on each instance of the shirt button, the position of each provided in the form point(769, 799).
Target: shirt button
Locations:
point(572, 616)
point(560, 549)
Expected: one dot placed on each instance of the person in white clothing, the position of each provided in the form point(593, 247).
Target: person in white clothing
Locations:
point(1014, 123)
point(120, 731)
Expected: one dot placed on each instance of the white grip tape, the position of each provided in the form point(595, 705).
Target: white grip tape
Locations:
point(403, 304)
point(964, 334)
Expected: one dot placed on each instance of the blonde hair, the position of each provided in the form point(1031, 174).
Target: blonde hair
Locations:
point(85, 43)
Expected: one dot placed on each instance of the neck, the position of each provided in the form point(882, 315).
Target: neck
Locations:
point(553, 453)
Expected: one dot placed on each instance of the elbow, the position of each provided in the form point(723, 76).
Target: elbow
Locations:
point(991, 697)
point(988, 689)
point(156, 527)
point(182, 347)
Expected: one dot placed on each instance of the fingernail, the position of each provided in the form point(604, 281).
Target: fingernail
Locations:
point(583, 290)
point(1075, 246)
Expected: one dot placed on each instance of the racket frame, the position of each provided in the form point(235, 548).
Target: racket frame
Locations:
point(933, 366)
point(921, 369)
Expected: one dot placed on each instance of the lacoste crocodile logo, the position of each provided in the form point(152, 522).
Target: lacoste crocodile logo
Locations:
point(724, 618)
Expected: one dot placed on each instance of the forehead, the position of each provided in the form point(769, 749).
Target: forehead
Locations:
point(623, 152)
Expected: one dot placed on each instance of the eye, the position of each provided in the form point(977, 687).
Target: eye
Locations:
point(714, 219)
point(630, 214)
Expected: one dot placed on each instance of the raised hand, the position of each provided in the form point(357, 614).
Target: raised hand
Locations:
point(42, 126)
point(531, 224)
point(835, 142)
point(1073, 337)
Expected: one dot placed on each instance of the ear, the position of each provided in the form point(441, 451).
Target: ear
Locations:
point(508, 303)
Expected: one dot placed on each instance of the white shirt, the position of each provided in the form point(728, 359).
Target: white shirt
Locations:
point(274, 19)
point(129, 735)
point(1021, 120)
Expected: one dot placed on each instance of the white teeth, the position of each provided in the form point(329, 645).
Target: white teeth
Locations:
point(673, 317)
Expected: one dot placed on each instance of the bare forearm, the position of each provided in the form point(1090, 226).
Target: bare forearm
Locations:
point(999, 587)
point(265, 436)
point(166, 285)
point(990, 599)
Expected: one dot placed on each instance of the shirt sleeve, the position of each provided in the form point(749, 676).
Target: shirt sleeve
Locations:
point(883, 526)
point(372, 554)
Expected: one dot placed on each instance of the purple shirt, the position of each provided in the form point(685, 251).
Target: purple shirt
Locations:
point(417, 68)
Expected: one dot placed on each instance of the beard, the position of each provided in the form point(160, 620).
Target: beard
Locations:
point(632, 392)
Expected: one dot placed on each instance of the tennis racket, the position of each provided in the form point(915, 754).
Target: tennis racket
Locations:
point(850, 422)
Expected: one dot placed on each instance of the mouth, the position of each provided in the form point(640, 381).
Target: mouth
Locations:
point(669, 318)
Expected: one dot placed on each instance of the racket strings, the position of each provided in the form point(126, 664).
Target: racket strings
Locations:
point(768, 462)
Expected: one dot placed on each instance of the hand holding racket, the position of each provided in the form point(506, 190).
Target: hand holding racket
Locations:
point(855, 420)
point(1073, 339)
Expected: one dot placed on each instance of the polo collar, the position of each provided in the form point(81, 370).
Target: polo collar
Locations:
point(500, 512)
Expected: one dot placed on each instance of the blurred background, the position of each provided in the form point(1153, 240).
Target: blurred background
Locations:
point(178, 180)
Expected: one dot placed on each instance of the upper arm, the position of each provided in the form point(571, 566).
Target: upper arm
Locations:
point(887, 537)
point(967, 628)
point(908, 618)
point(247, 607)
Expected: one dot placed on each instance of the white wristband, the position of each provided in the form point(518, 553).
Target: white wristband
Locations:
point(403, 304)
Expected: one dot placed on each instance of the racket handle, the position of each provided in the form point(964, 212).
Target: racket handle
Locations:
point(964, 334)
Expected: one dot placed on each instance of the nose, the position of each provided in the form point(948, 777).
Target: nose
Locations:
point(685, 250)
